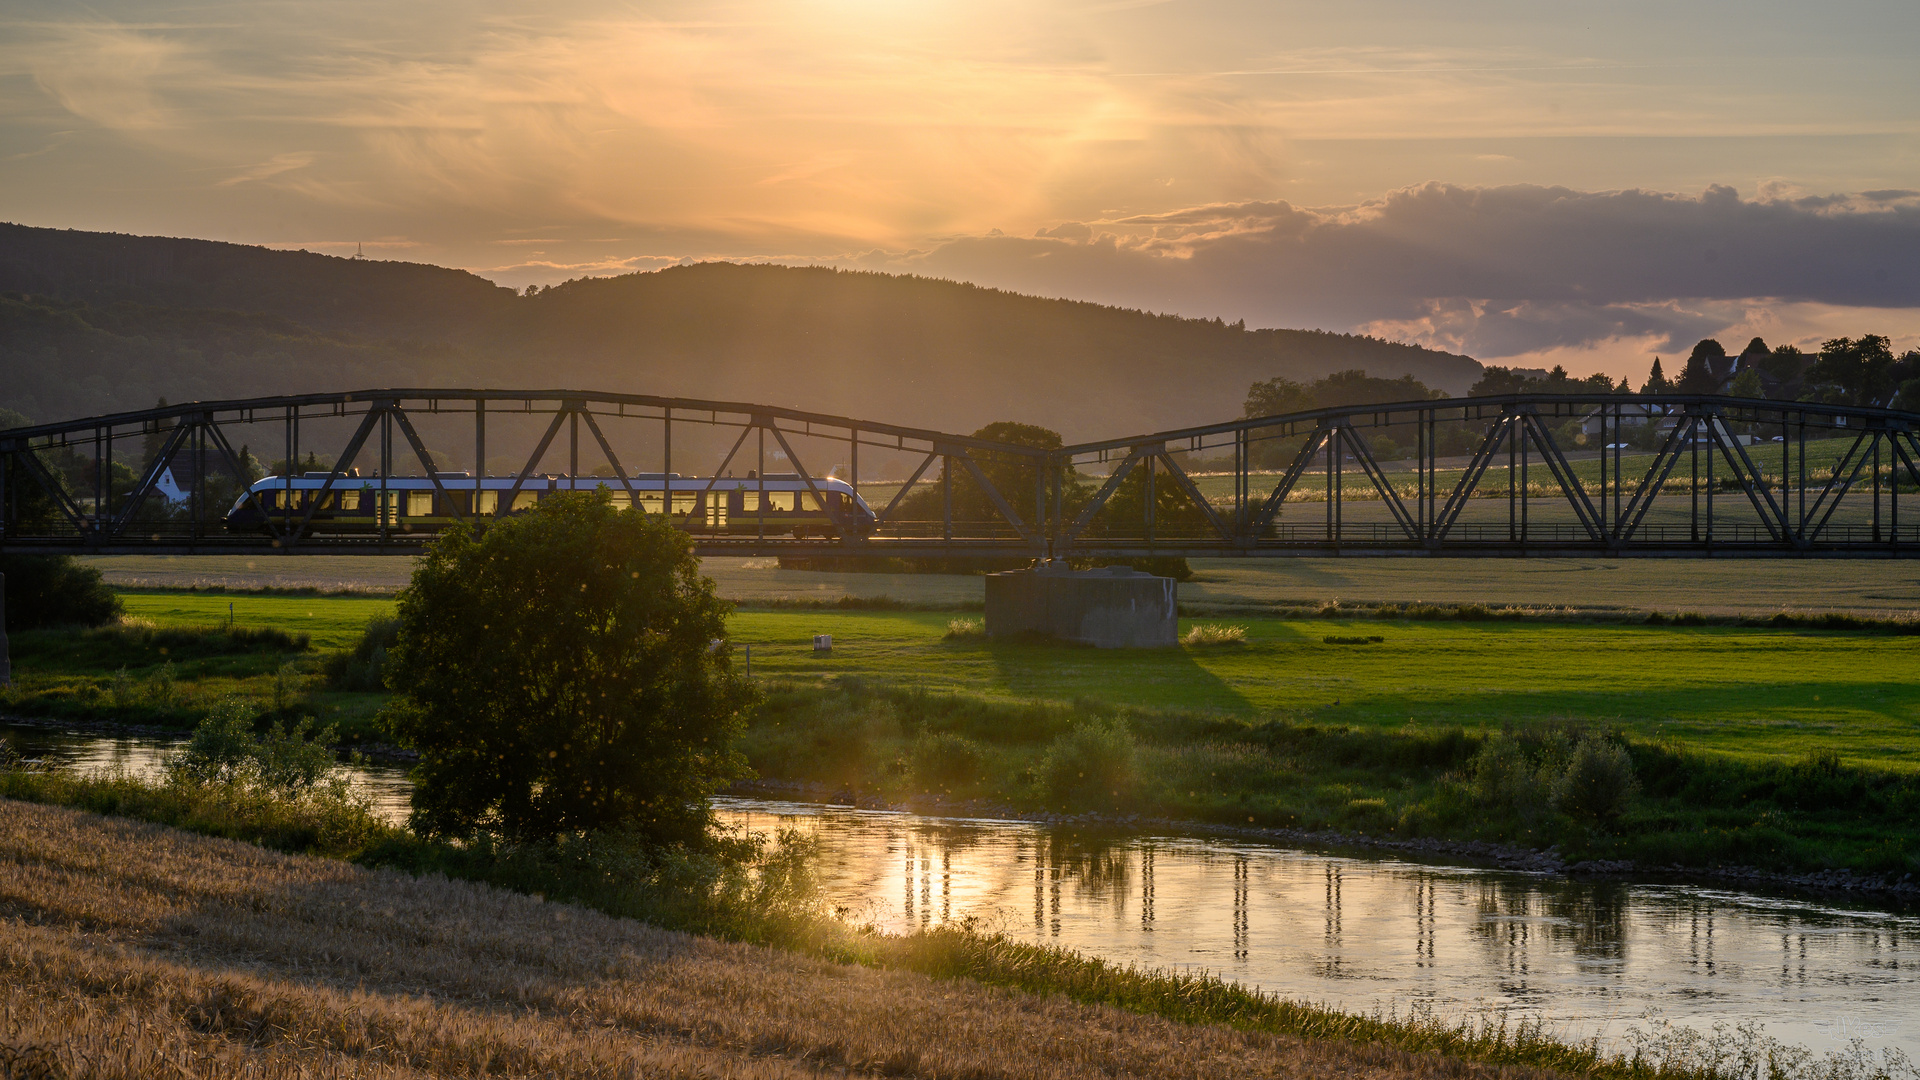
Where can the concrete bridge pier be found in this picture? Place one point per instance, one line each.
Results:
(1113, 607)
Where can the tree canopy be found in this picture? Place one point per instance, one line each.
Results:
(1498, 380)
(566, 671)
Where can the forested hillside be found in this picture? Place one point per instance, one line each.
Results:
(94, 322)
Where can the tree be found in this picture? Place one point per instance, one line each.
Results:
(1657, 380)
(1862, 368)
(1015, 478)
(1495, 381)
(53, 590)
(1701, 376)
(1278, 397)
(566, 671)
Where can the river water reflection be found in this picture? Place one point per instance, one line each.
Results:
(1591, 958)
(1362, 933)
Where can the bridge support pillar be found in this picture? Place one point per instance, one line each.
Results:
(1114, 607)
(6, 662)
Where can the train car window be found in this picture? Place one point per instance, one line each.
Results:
(778, 500)
(652, 501)
(419, 504)
(328, 501)
(684, 502)
(808, 502)
(489, 502)
(526, 500)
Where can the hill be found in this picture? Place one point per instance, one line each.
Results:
(96, 322)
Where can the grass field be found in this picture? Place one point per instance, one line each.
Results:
(1738, 690)
(1742, 587)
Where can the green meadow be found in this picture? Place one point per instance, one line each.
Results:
(1744, 691)
(1780, 746)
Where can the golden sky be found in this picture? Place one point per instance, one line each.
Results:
(1159, 145)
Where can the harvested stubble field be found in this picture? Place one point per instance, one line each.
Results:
(133, 950)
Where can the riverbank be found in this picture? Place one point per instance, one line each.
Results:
(1827, 884)
(218, 957)
(228, 956)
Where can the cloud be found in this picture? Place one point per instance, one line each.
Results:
(1497, 271)
(274, 166)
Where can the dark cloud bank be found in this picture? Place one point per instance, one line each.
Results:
(1489, 271)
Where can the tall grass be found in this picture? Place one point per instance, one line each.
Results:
(1596, 793)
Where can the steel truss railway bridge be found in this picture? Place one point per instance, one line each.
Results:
(1663, 476)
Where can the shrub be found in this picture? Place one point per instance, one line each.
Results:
(224, 750)
(961, 629)
(53, 590)
(1091, 767)
(1201, 634)
(364, 667)
(1598, 784)
(947, 761)
(1504, 778)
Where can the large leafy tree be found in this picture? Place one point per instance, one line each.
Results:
(566, 671)
(1863, 368)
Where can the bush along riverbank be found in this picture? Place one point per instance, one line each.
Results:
(1551, 797)
(229, 784)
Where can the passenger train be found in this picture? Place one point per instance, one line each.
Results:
(776, 504)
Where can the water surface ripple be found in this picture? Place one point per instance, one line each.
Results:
(1591, 958)
(1363, 933)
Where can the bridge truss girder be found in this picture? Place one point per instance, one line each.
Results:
(1440, 498)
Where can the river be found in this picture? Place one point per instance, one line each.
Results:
(1360, 932)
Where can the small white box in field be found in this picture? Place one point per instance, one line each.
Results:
(823, 643)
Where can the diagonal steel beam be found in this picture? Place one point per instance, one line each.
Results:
(340, 468)
(1106, 491)
(426, 462)
(1192, 491)
(141, 490)
(1657, 472)
(505, 506)
(666, 486)
(619, 470)
(62, 501)
(999, 502)
(819, 499)
(1833, 479)
(886, 516)
(1563, 475)
(1742, 466)
(1470, 479)
(1270, 506)
(239, 473)
(1909, 453)
(1870, 438)
(1379, 478)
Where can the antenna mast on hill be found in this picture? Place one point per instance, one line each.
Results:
(358, 252)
